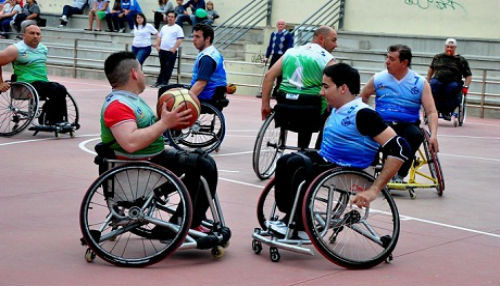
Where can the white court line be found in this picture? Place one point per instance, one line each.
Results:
(468, 157)
(44, 139)
(470, 137)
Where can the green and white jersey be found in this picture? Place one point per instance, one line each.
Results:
(302, 70)
(30, 64)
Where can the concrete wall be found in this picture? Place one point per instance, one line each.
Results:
(453, 18)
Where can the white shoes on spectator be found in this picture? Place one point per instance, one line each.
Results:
(64, 18)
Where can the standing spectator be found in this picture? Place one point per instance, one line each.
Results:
(29, 16)
(112, 19)
(98, 11)
(211, 13)
(167, 42)
(280, 41)
(130, 8)
(76, 7)
(185, 17)
(445, 76)
(164, 6)
(7, 13)
(141, 45)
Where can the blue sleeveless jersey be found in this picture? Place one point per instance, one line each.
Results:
(342, 143)
(398, 100)
(218, 78)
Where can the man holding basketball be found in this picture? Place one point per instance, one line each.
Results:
(129, 126)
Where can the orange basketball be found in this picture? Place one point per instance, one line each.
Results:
(231, 88)
(176, 97)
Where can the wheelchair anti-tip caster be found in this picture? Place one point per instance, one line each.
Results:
(412, 193)
(89, 255)
(217, 252)
(256, 246)
(274, 254)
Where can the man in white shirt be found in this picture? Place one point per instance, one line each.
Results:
(168, 41)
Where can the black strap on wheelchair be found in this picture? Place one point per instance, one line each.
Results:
(104, 151)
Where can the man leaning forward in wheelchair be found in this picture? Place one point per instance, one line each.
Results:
(130, 128)
(29, 58)
(352, 135)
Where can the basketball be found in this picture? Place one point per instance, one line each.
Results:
(231, 88)
(179, 97)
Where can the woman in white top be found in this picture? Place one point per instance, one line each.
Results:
(141, 46)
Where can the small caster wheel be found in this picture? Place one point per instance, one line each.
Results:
(217, 252)
(256, 246)
(274, 254)
(72, 134)
(412, 194)
(389, 258)
(89, 255)
(57, 134)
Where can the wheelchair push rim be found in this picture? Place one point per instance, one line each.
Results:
(267, 148)
(18, 108)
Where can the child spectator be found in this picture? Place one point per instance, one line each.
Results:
(76, 7)
(130, 8)
(193, 5)
(141, 45)
(98, 11)
(211, 13)
(112, 19)
(161, 12)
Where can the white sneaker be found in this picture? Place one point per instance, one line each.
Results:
(397, 179)
(61, 26)
(302, 235)
(122, 30)
(277, 226)
(64, 18)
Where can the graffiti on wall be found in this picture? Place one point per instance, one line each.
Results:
(437, 4)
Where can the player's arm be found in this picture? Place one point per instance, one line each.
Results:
(267, 87)
(206, 67)
(432, 115)
(7, 56)
(430, 72)
(394, 147)
(367, 90)
(130, 137)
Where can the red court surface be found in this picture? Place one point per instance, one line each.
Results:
(449, 240)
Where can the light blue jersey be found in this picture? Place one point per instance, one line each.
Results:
(398, 101)
(218, 78)
(342, 143)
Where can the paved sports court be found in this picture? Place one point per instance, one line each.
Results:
(449, 240)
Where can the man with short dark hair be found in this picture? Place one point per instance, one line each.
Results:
(445, 77)
(400, 92)
(28, 58)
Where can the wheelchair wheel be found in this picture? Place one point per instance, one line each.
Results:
(18, 107)
(462, 110)
(135, 214)
(346, 235)
(266, 206)
(206, 133)
(434, 165)
(267, 148)
(72, 114)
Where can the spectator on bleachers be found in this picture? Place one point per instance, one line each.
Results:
(191, 19)
(30, 15)
(7, 13)
(98, 11)
(179, 10)
(2, 3)
(141, 45)
(130, 8)
(164, 6)
(211, 13)
(112, 19)
(76, 7)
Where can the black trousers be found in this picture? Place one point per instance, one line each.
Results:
(54, 108)
(274, 59)
(167, 62)
(413, 134)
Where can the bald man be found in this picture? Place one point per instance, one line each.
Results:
(281, 40)
(300, 108)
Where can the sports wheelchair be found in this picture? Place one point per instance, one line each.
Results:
(137, 213)
(20, 105)
(270, 143)
(207, 133)
(459, 114)
(417, 177)
(346, 235)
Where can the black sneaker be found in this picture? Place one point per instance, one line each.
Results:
(447, 117)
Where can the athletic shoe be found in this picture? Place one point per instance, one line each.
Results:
(397, 179)
(447, 117)
(302, 235)
(201, 228)
(122, 30)
(64, 18)
(277, 226)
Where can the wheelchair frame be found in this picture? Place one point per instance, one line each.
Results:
(125, 218)
(21, 104)
(344, 234)
(425, 156)
(269, 146)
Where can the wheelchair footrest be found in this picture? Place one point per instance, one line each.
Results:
(207, 242)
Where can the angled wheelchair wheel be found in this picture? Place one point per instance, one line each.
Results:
(206, 133)
(135, 214)
(347, 235)
(434, 165)
(267, 148)
(18, 108)
(266, 206)
(73, 116)
(462, 108)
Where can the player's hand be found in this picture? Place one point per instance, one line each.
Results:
(4, 86)
(265, 60)
(434, 143)
(364, 198)
(175, 119)
(265, 111)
